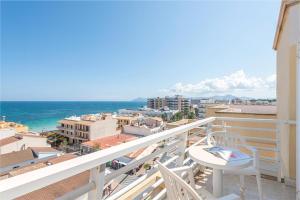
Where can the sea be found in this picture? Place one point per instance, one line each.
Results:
(43, 115)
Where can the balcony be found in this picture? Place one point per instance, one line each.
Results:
(172, 150)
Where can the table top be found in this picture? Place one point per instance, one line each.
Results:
(203, 157)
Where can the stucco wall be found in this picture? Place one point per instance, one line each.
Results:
(27, 141)
(286, 85)
(103, 128)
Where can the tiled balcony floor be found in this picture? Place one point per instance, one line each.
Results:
(272, 190)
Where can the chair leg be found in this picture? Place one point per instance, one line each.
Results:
(258, 180)
(242, 187)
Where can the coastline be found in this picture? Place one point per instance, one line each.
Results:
(43, 115)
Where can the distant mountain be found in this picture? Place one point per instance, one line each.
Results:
(230, 97)
(139, 99)
(225, 97)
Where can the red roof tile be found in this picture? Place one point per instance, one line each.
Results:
(109, 141)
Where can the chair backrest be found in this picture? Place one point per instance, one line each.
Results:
(177, 188)
(225, 139)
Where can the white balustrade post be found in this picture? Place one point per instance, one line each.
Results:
(181, 148)
(97, 176)
(298, 121)
(278, 151)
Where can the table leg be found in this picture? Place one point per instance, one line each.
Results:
(217, 182)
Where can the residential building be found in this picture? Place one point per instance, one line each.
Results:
(12, 141)
(148, 112)
(156, 103)
(144, 126)
(177, 102)
(87, 127)
(123, 120)
(287, 47)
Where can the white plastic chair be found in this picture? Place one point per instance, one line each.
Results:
(179, 189)
(233, 140)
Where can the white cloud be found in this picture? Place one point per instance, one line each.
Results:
(236, 83)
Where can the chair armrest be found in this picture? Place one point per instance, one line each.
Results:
(189, 171)
(255, 154)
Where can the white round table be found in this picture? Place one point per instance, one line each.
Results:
(203, 157)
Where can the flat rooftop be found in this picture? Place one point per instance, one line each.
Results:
(248, 109)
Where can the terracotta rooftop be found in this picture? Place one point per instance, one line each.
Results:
(25, 169)
(58, 189)
(35, 166)
(109, 141)
(136, 153)
(61, 158)
(16, 157)
(8, 140)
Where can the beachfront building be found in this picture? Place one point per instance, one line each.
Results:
(11, 141)
(87, 127)
(12, 125)
(178, 102)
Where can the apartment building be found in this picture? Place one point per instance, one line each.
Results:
(124, 120)
(87, 127)
(156, 103)
(177, 102)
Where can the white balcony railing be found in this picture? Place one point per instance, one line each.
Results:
(174, 148)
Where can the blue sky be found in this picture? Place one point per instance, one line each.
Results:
(122, 50)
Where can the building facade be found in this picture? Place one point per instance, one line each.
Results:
(287, 47)
(177, 102)
(87, 127)
(156, 103)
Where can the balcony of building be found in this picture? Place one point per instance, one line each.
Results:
(172, 150)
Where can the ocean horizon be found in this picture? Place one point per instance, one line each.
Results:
(43, 115)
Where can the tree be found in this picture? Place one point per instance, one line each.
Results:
(177, 116)
(64, 143)
(197, 112)
(185, 112)
(191, 115)
(164, 117)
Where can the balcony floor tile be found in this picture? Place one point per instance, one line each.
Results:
(272, 190)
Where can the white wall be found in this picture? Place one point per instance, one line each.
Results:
(27, 141)
(286, 101)
(4, 133)
(103, 128)
(142, 131)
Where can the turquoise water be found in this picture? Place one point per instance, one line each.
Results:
(43, 115)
